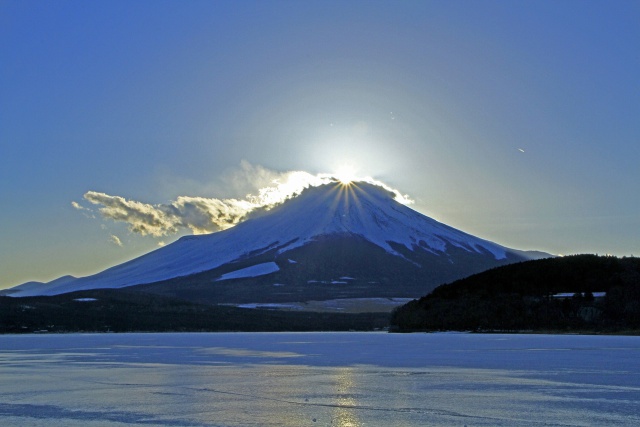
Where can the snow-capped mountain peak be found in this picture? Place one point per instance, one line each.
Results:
(363, 210)
(366, 210)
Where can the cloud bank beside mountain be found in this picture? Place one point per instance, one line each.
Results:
(201, 215)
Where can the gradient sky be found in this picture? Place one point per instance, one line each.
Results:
(516, 121)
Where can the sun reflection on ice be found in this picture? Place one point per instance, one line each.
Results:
(344, 413)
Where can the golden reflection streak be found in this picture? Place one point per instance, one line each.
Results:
(344, 413)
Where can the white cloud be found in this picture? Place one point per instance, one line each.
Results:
(115, 240)
(206, 215)
(399, 197)
(85, 211)
(142, 218)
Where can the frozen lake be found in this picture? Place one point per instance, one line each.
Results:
(319, 379)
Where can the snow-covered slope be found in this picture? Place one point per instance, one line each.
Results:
(360, 209)
(37, 287)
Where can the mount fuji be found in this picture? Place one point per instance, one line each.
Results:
(331, 241)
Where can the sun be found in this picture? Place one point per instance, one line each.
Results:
(345, 174)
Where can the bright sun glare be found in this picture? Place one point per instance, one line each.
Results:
(346, 175)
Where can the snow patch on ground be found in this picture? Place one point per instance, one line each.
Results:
(85, 299)
(342, 281)
(253, 271)
(271, 306)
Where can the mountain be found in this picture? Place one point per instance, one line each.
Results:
(331, 241)
(36, 287)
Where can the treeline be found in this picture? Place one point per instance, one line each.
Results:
(119, 310)
(524, 296)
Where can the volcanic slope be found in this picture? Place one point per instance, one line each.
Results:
(331, 241)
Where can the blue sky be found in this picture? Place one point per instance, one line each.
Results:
(514, 121)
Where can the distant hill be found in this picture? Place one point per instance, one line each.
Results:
(573, 293)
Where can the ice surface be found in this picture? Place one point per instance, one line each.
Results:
(340, 379)
(253, 271)
(363, 210)
(350, 305)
